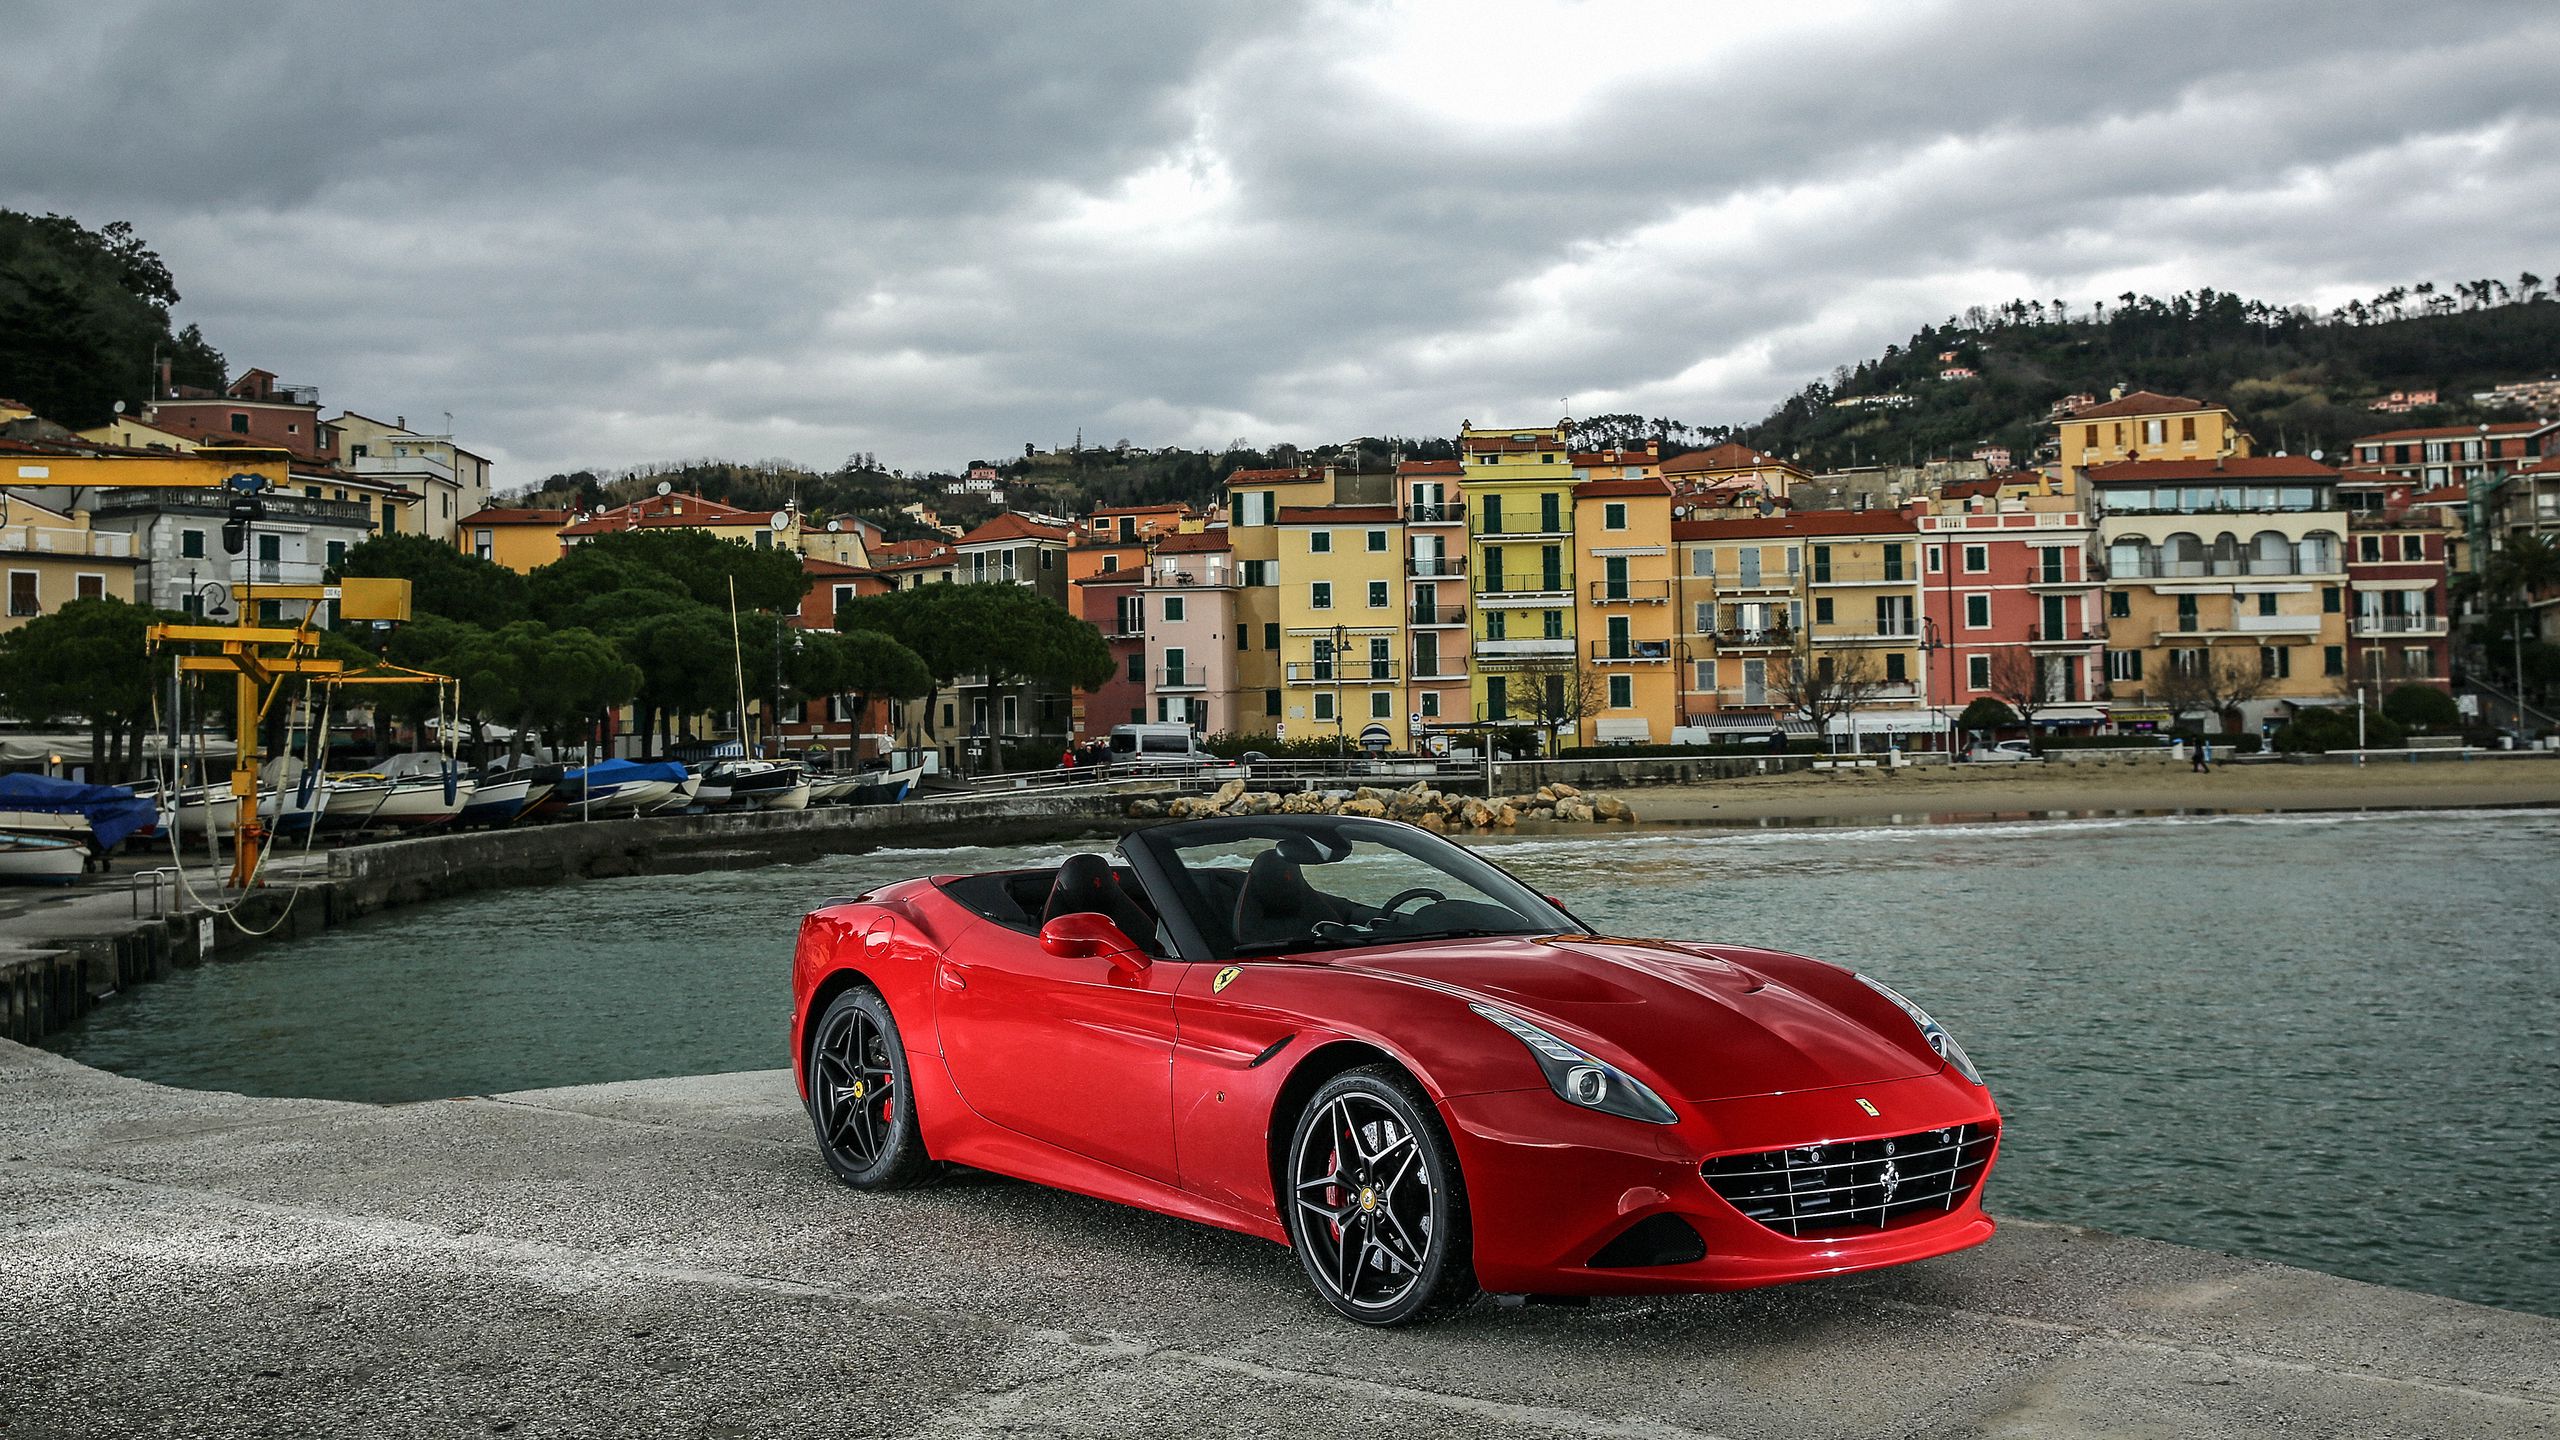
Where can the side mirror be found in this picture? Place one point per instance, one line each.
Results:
(1081, 937)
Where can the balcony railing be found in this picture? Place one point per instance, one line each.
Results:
(1771, 638)
(1340, 672)
(1881, 632)
(1447, 512)
(1548, 583)
(1630, 652)
(1437, 615)
(2152, 569)
(1861, 575)
(1630, 592)
(1537, 649)
(61, 540)
(1440, 668)
(2066, 635)
(1511, 534)
(2370, 625)
(1435, 567)
(1764, 580)
(1181, 677)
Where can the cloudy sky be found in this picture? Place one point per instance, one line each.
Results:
(600, 235)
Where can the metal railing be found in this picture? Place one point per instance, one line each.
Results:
(1447, 512)
(1341, 672)
(1862, 575)
(2153, 569)
(2366, 625)
(2065, 635)
(1544, 583)
(32, 539)
(1631, 651)
(1437, 615)
(1180, 677)
(1630, 592)
(1435, 567)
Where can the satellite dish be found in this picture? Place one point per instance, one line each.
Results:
(2319, 454)
(780, 522)
(1765, 506)
(834, 525)
(119, 407)
(665, 485)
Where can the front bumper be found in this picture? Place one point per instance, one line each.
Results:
(1551, 1185)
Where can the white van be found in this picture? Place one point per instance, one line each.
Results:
(1170, 744)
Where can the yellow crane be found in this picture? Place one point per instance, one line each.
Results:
(260, 657)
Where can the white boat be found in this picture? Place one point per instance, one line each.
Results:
(352, 800)
(501, 798)
(198, 808)
(795, 798)
(424, 800)
(753, 784)
(888, 787)
(40, 859)
(681, 796)
(630, 797)
(833, 789)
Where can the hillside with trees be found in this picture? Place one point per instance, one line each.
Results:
(84, 316)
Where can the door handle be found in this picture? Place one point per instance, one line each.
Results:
(953, 979)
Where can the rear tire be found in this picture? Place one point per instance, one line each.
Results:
(860, 1102)
(1374, 1203)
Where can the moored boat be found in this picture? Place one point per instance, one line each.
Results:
(754, 784)
(100, 817)
(888, 787)
(617, 787)
(498, 798)
(40, 859)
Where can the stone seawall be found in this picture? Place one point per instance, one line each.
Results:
(58, 960)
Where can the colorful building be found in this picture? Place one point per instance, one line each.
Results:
(2216, 565)
(1630, 632)
(452, 482)
(1519, 494)
(2399, 623)
(1431, 493)
(763, 529)
(1189, 620)
(2011, 607)
(1342, 585)
(50, 557)
(522, 540)
(2146, 425)
(1254, 502)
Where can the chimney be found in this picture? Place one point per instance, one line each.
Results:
(166, 389)
(2115, 392)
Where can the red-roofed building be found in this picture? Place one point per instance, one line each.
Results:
(2146, 425)
(2011, 607)
(522, 540)
(763, 529)
(1721, 474)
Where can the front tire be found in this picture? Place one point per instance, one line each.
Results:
(1376, 1208)
(860, 1102)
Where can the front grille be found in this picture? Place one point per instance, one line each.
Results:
(1850, 1184)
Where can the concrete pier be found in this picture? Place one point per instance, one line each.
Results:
(669, 1257)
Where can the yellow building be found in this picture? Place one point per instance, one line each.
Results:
(2226, 583)
(1254, 501)
(520, 540)
(1435, 565)
(50, 558)
(1731, 473)
(1760, 595)
(2145, 425)
(1342, 630)
(1519, 492)
(135, 434)
(1624, 552)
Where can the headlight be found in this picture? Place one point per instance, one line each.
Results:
(1584, 1080)
(1930, 1030)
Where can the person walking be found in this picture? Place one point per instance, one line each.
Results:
(2204, 756)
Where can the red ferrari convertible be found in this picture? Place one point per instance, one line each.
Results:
(1358, 1039)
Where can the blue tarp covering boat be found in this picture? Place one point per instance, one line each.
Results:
(113, 811)
(606, 773)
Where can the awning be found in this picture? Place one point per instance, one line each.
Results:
(2420, 583)
(1749, 725)
(1887, 722)
(2071, 715)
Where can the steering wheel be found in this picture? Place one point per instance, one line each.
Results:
(1418, 892)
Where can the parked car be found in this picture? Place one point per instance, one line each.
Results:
(2005, 753)
(1158, 744)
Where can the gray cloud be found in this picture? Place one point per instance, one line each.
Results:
(601, 235)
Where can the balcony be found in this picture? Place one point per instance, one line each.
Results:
(65, 541)
(2067, 636)
(2146, 568)
(1888, 632)
(2241, 625)
(2040, 578)
(1555, 587)
(2384, 626)
(1778, 638)
(1435, 567)
(433, 466)
(1441, 667)
(1180, 677)
(1513, 537)
(1448, 512)
(1630, 592)
(1340, 672)
(1436, 615)
(1541, 649)
(1630, 652)
(1753, 584)
(1862, 575)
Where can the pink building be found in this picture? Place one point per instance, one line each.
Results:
(2008, 596)
(1189, 616)
(1435, 518)
(1112, 602)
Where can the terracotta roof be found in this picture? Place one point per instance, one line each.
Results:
(2455, 432)
(670, 512)
(1010, 526)
(911, 549)
(920, 562)
(1970, 489)
(812, 565)
(1731, 455)
(1813, 523)
(1203, 543)
(2232, 467)
(1166, 509)
(1429, 467)
(499, 516)
(1611, 488)
(1503, 444)
(1338, 514)
(2445, 495)
(2140, 402)
(1274, 477)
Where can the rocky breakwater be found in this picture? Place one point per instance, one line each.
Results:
(1416, 804)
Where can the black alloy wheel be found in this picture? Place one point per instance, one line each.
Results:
(859, 1096)
(1376, 1208)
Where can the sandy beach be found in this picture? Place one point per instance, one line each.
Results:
(2041, 789)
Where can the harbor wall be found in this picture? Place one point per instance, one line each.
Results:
(99, 943)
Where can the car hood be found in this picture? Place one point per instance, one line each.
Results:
(1706, 1023)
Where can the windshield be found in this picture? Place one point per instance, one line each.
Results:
(1281, 885)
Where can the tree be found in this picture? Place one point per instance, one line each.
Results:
(2217, 685)
(1986, 713)
(687, 663)
(2023, 679)
(81, 314)
(702, 565)
(1556, 693)
(2422, 708)
(442, 580)
(2334, 728)
(1823, 684)
(1003, 634)
(87, 659)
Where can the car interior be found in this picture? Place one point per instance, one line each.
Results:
(1025, 900)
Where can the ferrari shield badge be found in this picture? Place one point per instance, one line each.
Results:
(1868, 1106)
(1225, 978)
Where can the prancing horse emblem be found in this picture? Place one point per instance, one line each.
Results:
(1869, 1106)
(1889, 1180)
(1225, 978)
